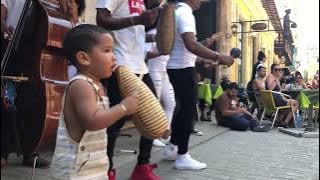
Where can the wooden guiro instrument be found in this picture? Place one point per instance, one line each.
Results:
(150, 120)
(166, 29)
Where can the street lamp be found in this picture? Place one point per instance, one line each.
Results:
(234, 29)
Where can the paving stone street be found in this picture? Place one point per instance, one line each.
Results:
(249, 155)
(230, 155)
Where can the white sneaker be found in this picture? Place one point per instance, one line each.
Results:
(158, 143)
(187, 163)
(166, 141)
(197, 133)
(170, 152)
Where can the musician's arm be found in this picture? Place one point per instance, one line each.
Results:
(207, 42)
(3, 18)
(151, 55)
(197, 48)
(150, 38)
(107, 21)
(200, 50)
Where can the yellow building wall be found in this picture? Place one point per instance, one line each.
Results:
(230, 11)
(245, 10)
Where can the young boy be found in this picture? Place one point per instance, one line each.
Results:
(81, 139)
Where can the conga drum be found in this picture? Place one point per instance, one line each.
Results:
(150, 120)
(166, 29)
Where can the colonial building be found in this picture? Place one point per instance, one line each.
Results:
(222, 16)
(218, 16)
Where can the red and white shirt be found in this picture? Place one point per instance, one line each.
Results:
(128, 42)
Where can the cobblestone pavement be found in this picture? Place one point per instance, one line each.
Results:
(229, 155)
(249, 155)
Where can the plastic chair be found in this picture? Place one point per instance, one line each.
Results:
(260, 104)
(269, 105)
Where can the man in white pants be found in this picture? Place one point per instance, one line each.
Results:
(157, 65)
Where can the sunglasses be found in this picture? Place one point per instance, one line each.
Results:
(278, 69)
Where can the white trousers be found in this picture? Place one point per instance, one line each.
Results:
(165, 92)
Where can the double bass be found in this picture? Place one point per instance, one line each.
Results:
(37, 55)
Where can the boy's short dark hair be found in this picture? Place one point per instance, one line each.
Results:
(232, 85)
(81, 38)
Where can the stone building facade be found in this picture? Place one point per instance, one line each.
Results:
(225, 13)
(229, 11)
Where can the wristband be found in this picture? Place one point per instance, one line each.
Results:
(124, 108)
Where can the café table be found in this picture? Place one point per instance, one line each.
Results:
(308, 100)
(302, 96)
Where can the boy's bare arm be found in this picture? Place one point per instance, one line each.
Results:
(90, 116)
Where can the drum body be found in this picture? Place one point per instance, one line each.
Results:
(150, 120)
(166, 29)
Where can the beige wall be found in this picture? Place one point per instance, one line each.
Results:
(243, 10)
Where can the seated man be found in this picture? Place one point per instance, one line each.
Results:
(229, 114)
(258, 84)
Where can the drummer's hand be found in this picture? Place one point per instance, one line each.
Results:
(131, 104)
(208, 42)
(225, 59)
(216, 36)
(8, 31)
(209, 63)
(149, 17)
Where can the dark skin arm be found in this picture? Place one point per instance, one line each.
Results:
(151, 55)
(4, 26)
(107, 21)
(150, 38)
(3, 18)
(200, 50)
(209, 41)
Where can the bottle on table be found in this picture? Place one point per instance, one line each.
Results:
(298, 120)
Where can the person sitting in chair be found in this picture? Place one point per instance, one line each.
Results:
(258, 84)
(273, 83)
